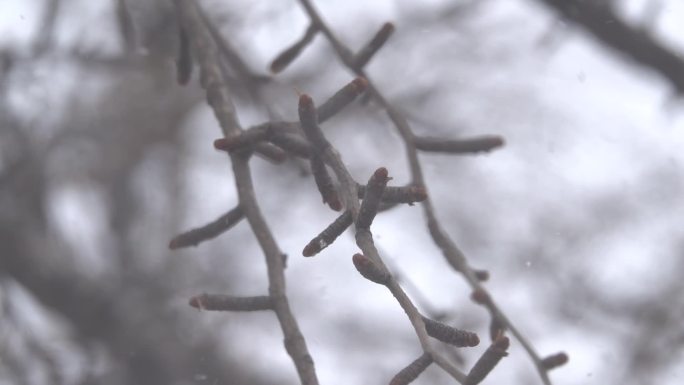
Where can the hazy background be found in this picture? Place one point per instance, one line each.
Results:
(104, 158)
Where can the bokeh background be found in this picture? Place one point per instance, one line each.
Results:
(104, 158)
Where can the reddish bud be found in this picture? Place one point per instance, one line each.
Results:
(370, 270)
(197, 301)
(488, 360)
(480, 296)
(222, 144)
(412, 371)
(360, 84)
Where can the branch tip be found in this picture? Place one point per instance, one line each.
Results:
(418, 193)
(371, 198)
(412, 371)
(211, 230)
(489, 359)
(370, 270)
(196, 302)
(342, 98)
(372, 47)
(222, 144)
(554, 360)
(305, 102)
(290, 54)
(230, 303)
(381, 174)
(480, 296)
(502, 343)
(329, 235)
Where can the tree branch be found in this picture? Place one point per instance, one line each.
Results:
(598, 18)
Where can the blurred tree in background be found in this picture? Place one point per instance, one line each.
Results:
(104, 158)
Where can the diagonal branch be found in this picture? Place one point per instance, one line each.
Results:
(599, 19)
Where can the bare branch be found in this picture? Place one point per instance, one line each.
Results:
(494, 353)
(221, 302)
(369, 50)
(456, 146)
(211, 230)
(599, 19)
(290, 54)
(341, 99)
(329, 235)
(370, 270)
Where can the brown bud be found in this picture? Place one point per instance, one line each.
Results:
(370, 270)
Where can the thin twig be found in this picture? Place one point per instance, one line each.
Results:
(209, 231)
(221, 302)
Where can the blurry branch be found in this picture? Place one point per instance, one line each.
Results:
(599, 19)
(366, 53)
(184, 58)
(555, 360)
(287, 56)
(464, 146)
(126, 27)
(44, 37)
